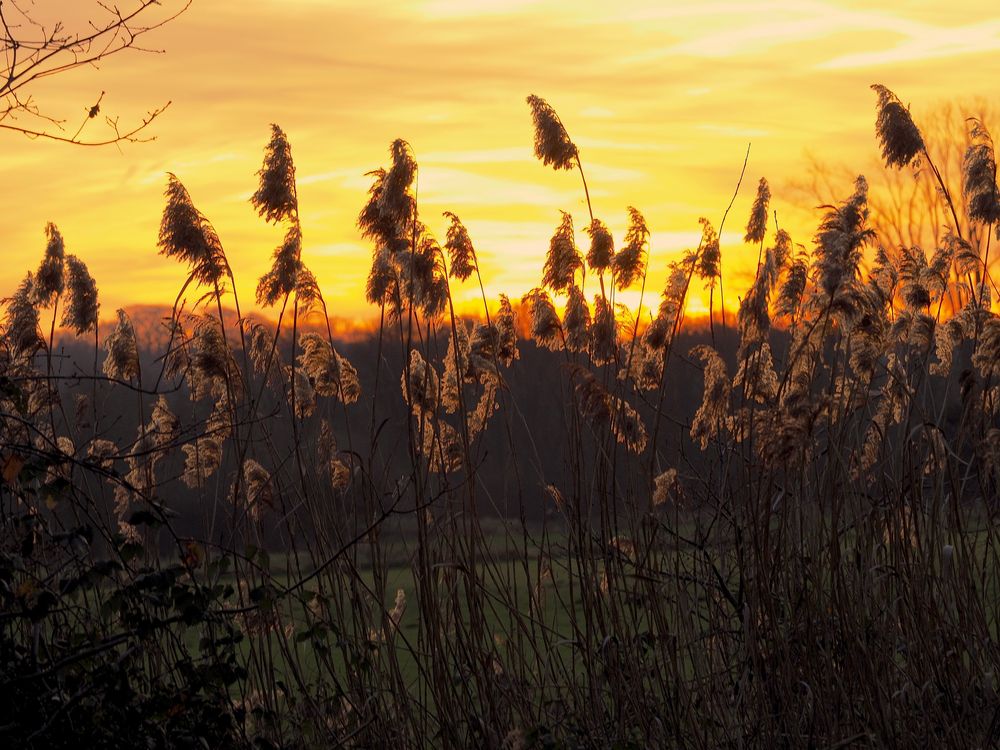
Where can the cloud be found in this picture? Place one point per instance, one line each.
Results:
(930, 44)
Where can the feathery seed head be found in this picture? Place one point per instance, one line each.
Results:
(329, 373)
(211, 360)
(307, 291)
(546, 329)
(50, 279)
(710, 256)
(187, 235)
(627, 426)
(21, 319)
(629, 262)
(395, 202)
(757, 226)
(302, 393)
(552, 143)
(275, 197)
(979, 177)
(460, 249)
(102, 452)
(603, 332)
(381, 285)
(260, 345)
(840, 239)
(282, 278)
(122, 361)
(666, 487)
(593, 398)
(947, 336)
(506, 325)
(422, 277)
(456, 367)
(715, 403)
(563, 259)
(258, 488)
(340, 475)
(576, 320)
(897, 133)
(422, 390)
(602, 246)
(81, 310)
(793, 288)
(202, 459)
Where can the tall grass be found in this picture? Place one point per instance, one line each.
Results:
(240, 540)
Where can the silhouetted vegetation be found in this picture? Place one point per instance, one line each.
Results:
(619, 531)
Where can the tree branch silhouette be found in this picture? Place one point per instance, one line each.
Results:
(31, 51)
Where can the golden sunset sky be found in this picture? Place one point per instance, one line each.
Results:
(661, 97)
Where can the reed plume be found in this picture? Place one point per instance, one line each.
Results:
(102, 453)
(592, 397)
(307, 292)
(576, 320)
(979, 176)
(757, 225)
(395, 201)
(460, 249)
(82, 308)
(122, 360)
(259, 488)
(897, 133)
(388, 215)
(479, 417)
(421, 389)
(49, 280)
(422, 276)
(281, 279)
(203, 456)
(964, 256)
(456, 367)
(710, 256)
(329, 372)
(382, 286)
(603, 332)
(546, 329)
(756, 376)
(552, 142)
(627, 426)
(301, 392)
(563, 259)
(840, 239)
(715, 403)
(665, 487)
(483, 353)
(275, 198)
(602, 246)
(210, 364)
(259, 344)
(185, 234)
(629, 261)
(506, 324)
(442, 445)
(793, 288)
(21, 319)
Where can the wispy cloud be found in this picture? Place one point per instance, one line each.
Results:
(930, 44)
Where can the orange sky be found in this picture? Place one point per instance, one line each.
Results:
(661, 97)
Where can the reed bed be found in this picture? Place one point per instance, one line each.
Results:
(246, 539)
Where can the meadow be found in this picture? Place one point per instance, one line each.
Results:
(558, 523)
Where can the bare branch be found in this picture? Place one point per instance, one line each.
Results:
(32, 51)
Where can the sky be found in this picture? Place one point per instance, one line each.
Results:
(662, 99)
